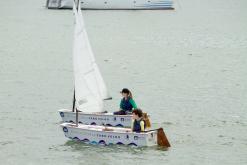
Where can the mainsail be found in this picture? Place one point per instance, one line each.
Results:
(101, 84)
(90, 89)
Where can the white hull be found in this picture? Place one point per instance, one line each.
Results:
(96, 135)
(112, 4)
(107, 119)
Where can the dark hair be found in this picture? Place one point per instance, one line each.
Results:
(138, 112)
(127, 91)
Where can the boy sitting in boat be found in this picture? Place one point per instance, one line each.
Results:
(138, 124)
(127, 103)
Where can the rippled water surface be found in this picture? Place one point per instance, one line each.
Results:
(186, 68)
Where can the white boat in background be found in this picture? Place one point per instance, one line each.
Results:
(112, 4)
(113, 135)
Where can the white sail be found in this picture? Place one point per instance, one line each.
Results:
(101, 84)
(87, 92)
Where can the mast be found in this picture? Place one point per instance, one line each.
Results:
(78, 1)
(73, 109)
(77, 115)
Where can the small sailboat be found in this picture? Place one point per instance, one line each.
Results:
(113, 135)
(87, 122)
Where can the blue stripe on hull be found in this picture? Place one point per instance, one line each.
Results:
(101, 142)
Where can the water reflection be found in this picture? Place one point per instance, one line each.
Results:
(80, 146)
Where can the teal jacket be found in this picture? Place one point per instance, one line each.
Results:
(127, 104)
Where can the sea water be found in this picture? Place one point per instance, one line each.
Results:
(187, 68)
